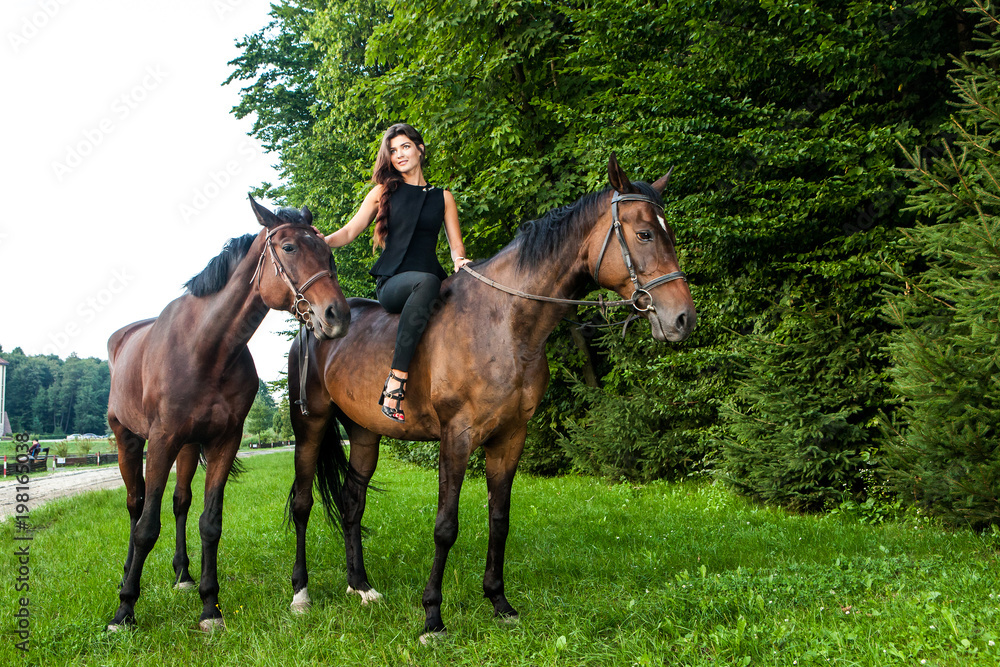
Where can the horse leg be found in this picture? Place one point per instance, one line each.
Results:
(187, 465)
(502, 454)
(159, 459)
(220, 456)
(309, 436)
(130, 448)
(452, 464)
(363, 460)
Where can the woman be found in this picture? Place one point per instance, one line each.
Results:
(408, 214)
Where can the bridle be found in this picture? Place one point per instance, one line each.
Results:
(616, 228)
(302, 313)
(304, 316)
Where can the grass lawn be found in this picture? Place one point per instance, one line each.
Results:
(603, 574)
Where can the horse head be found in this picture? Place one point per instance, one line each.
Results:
(304, 276)
(646, 268)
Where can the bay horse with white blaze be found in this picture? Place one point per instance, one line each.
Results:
(185, 382)
(479, 372)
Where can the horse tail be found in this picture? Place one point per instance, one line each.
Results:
(235, 470)
(332, 470)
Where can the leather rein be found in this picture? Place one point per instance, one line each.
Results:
(616, 229)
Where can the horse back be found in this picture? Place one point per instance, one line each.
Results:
(120, 337)
(463, 365)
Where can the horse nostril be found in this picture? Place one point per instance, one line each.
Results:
(682, 321)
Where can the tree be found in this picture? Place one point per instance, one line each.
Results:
(945, 453)
(281, 423)
(262, 412)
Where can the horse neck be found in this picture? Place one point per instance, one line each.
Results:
(231, 316)
(564, 275)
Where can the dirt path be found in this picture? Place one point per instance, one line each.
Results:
(69, 482)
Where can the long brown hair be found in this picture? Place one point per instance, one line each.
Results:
(386, 175)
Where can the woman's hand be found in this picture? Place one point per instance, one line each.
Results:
(460, 262)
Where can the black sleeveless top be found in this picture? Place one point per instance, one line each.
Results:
(416, 214)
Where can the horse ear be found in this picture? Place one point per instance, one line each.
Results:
(307, 215)
(617, 177)
(661, 183)
(264, 216)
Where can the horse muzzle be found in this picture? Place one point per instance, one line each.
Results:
(672, 324)
(331, 322)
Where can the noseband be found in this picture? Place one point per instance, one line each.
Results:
(303, 313)
(616, 228)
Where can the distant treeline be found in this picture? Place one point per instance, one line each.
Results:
(52, 396)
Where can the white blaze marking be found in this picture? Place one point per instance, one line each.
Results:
(663, 223)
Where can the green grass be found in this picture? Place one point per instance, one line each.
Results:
(674, 574)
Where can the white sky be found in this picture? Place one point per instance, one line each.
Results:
(123, 171)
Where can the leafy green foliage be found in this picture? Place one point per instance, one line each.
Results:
(946, 453)
(783, 120)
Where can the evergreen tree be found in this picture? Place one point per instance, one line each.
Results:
(946, 451)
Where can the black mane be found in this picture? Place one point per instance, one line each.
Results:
(215, 276)
(537, 240)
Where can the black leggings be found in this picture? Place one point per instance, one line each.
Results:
(411, 294)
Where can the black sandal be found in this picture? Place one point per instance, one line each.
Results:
(397, 394)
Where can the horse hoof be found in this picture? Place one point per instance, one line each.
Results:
(125, 622)
(433, 638)
(184, 585)
(301, 602)
(367, 597)
(210, 625)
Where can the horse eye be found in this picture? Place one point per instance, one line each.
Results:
(645, 236)
(288, 247)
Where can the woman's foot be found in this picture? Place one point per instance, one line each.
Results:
(392, 397)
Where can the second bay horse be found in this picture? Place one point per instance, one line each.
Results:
(185, 382)
(478, 375)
